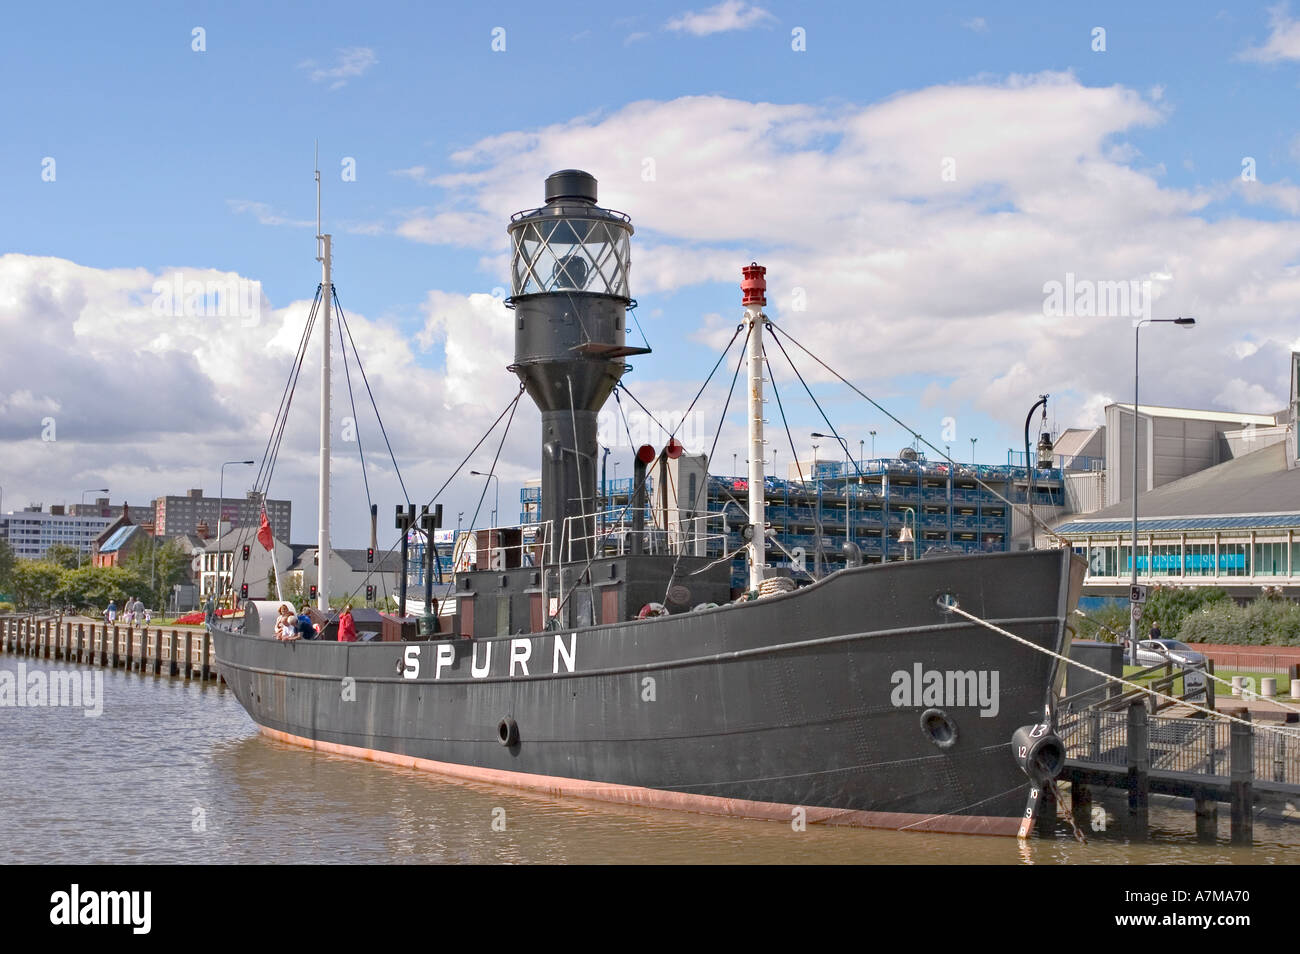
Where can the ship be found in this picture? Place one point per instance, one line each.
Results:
(625, 668)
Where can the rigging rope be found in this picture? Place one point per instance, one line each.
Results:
(378, 417)
(262, 482)
(953, 607)
(636, 490)
(726, 405)
(1034, 518)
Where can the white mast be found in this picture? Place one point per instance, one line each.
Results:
(753, 296)
(323, 518)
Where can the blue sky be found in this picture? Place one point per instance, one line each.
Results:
(1116, 165)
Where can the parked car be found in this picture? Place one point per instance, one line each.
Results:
(1153, 652)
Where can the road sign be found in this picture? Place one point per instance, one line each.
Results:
(1137, 594)
(1137, 612)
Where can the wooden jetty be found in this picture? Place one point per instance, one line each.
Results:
(183, 652)
(1207, 760)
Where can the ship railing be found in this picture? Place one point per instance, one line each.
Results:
(703, 534)
(529, 544)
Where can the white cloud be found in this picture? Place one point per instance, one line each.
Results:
(1283, 195)
(904, 271)
(1283, 41)
(414, 173)
(976, 25)
(726, 16)
(265, 214)
(352, 62)
(144, 401)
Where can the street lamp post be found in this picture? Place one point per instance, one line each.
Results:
(101, 490)
(1137, 327)
(972, 450)
(817, 550)
(221, 505)
(873, 445)
(1031, 465)
(479, 473)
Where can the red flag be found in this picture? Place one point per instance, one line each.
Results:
(264, 532)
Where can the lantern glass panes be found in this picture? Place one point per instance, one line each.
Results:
(570, 253)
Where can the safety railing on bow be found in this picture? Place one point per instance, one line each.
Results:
(703, 534)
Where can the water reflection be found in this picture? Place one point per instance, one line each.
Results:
(176, 772)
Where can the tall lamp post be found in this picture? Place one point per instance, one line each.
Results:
(479, 473)
(873, 445)
(817, 550)
(221, 505)
(1031, 465)
(1137, 327)
(101, 490)
(972, 450)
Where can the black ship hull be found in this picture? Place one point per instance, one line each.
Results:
(811, 700)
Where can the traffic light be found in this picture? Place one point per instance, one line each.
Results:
(313, 591)
(370, 554)
(245, 551)
(370, 592)
(243, 589)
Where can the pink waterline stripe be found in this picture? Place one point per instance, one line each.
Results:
(558, 786)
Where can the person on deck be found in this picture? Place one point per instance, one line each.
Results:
(347, 625)
(111, 612)
(306, 629)
(284, 623)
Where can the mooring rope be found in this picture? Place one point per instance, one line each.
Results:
(954, 608)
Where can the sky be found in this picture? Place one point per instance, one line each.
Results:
(960, 207)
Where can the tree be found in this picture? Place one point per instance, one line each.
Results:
(64, 555)
(92, 587)
(36, 583)
(7, 560)
(165, 562)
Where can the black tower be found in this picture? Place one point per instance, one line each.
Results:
(569, 290)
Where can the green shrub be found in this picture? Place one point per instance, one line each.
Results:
(1171, 605)
(1265, 622)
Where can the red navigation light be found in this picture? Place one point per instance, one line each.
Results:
(645, 454)
(674, 449)
(753, 287)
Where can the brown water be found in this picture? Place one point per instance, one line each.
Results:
(178, 773)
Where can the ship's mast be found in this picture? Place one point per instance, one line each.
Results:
(753, 296)
(323, 519)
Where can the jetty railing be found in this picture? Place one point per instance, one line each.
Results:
(1187, 745)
